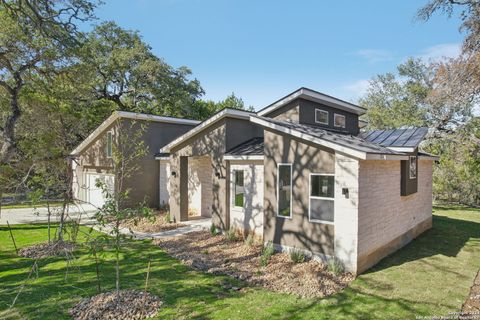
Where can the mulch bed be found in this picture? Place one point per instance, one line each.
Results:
(44, 250)
(152, 224)
(217, 255)
(129, 305)
(472, 304)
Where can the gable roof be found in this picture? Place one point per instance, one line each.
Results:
(128, 115)
(397, 139)
(226, 112)
(345, 143)
(314, 96)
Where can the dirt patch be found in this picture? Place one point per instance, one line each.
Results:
(128, 305)
(472, 304)
(43, 250)
(217, 255)
(156, 223)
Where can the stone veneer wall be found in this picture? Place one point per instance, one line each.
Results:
(386, 220)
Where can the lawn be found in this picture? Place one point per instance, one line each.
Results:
(430, 276)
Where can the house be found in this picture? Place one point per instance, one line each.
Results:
(300, 173)
(93, 157)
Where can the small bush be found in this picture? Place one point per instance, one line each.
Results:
(335, 266)
(249, 240)
(267, 252)
(213, 230)
(232, 235)
(296, 255)
(167, 218)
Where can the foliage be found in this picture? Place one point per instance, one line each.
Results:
(335, 266)
(232, 235)
(167, 218)
(296, 255)
(267, 252)
(213, 230)
(249, 240)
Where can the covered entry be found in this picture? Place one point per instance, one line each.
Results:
(200, 196)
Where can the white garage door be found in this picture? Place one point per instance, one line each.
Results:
(246, 197)
(94, 194)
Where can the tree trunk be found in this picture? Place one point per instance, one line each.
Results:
(8, 134)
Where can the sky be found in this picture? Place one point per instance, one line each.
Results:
(264, 49)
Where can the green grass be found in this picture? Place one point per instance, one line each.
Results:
(430, 276)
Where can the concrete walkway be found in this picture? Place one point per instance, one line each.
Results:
(83, 212)
(191, 226)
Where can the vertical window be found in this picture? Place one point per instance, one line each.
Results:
(109, 144)
(238, 188)
(321, 116)
(339, 120)
(412, 168)
(322, 195)
(284, 190)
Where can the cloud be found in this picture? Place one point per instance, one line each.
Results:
(440, 52)
(358, 88)
(375, 55)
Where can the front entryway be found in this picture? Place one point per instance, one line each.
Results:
(200, 194)
(246, 197)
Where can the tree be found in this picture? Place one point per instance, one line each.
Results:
(206, 108)
(124, 71)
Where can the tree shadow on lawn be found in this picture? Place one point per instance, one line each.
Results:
(446, 237)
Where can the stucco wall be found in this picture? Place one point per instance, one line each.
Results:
(386, 220)
(306, 158)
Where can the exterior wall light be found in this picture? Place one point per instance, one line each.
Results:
(174, 173)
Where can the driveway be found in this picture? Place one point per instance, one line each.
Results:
(40, 214)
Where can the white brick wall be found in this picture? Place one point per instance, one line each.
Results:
(346, 213)
(383, 214)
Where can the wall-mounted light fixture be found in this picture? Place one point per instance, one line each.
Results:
(345, 192)
(217, 174)
(174, 173)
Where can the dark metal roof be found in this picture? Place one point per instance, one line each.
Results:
(396, 137)
(252, 147)
(162, 155)
(345, 140)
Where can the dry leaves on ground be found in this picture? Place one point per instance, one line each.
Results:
(217, 255)
(43, 250)
(156, 223)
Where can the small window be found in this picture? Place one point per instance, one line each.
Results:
(339, 120)
(284, 190)
(238, 188)
(109, 144)
(412, 168)
(321, 116)
(322, 195)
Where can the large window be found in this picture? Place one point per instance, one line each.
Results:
(321, 116)
(412, 168)
(322, 195)
(339, 120)
(109, 144)
(238, 188)
(284, 190)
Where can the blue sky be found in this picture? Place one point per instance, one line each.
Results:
(264, 49)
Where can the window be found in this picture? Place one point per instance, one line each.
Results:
(284, 190)
(321, 116)
(238, 188)
(109, 144)
(339, 120)
(412, 168)
(322, 195)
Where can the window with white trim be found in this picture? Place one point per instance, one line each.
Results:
(321, 116)
(321, 202)
(109, 144)
(339, 120)
(238, 188)
(284, 190)
(412, 167)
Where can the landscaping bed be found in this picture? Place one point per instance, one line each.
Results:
(44, 250)
(155, 223)
(218, 255)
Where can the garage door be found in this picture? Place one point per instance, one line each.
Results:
(94, 194)
(246, 197)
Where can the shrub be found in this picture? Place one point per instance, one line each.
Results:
(167, 218)
(267, 252)
(249, 240)
(296, 255)
(213, 230)
(335, 266)
(232, 235)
